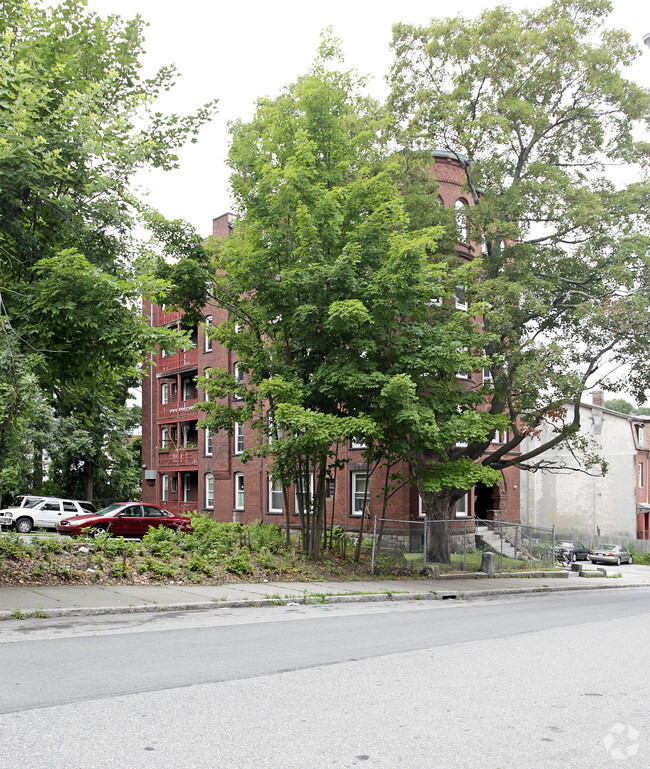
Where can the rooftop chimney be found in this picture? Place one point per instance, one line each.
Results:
(598, 397)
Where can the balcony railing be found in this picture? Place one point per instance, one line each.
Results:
(178, 457)
(178, 409)
(180, 508)
(182, 359)
(161, 317)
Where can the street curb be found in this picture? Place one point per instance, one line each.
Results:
(310, 600)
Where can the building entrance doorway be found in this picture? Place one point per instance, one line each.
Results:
(486, 501)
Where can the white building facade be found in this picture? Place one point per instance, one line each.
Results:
(587, 505)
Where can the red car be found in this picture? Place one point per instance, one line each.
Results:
(124, 519)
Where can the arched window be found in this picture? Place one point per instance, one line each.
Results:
(239, 491)
(207, 341)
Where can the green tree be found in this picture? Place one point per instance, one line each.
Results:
(620, 404)
(328, 280)
(78, 121)
(535, 108)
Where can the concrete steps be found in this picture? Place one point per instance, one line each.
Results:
(494, 540)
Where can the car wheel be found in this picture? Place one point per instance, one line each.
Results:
(618, 562)
(574, 558)
(97, 531)
(24, 525)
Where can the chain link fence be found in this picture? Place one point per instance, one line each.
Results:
(413, 545)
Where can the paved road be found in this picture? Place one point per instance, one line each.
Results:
(497, 683)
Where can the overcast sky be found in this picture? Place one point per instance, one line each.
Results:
(237, 52)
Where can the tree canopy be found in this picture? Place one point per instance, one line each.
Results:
(535, 108)
(78, 121)
(337, 294)
(338, 274)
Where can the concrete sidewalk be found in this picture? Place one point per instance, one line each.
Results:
(28, 602)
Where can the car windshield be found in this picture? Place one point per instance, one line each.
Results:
(108, 510)
(565, 544)
(33, 502)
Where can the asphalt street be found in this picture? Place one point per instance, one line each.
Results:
(524, 681)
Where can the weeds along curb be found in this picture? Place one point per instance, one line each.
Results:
(309, 600)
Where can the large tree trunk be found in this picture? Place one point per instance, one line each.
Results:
(439, 507)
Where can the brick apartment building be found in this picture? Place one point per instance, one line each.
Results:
(186, 468)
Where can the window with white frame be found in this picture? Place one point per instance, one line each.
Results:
(275, 496)
(330, 488)
(359, 492)
(461, 299)
(461, 507)
(239, 491)
(164, 438)
(208, 442)
(187, 389)
(239, 438)
(640, 475)
(461, 218)
(358, 443)
(209, 490)
(207, 346)
(187, 486)
(206, 374)
(421, 507)
(239, 378)
(164, 393)
(174, 484)
(487, 376)
(499, 437)
(164, 494)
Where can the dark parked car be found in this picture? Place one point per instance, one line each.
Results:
(125, 519)
(577, 551)
(610, 554)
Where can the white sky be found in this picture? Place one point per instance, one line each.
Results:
(237, 52)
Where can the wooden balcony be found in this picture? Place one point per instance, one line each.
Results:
(178, 410)
(162, 318)
(183, 359)
(178, 458)
(180, 508)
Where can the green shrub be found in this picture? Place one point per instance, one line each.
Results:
(13, 547)
(120, 570)
(266, 536)
(199, 563)
(49, 547)
(163, 541)
(157, 567)
(239, 562)
(270, 562)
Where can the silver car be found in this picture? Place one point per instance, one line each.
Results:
(610, 554)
